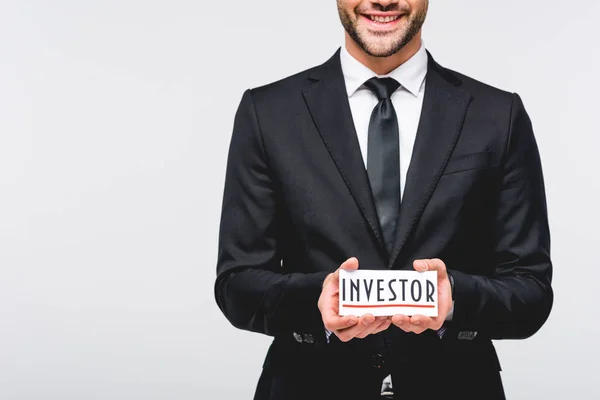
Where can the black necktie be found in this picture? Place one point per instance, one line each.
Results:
(383, 157)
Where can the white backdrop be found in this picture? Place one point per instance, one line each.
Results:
(115, 118)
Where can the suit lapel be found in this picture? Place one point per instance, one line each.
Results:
(328, 104)
(443, 112)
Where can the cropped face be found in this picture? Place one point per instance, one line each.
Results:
(382, 27)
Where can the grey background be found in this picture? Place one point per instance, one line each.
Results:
(115, 118)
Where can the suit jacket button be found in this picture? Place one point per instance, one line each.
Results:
(378, 361)
(298, 337)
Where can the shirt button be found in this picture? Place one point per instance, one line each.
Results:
(378, 361)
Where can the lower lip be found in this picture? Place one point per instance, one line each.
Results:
(382, 25)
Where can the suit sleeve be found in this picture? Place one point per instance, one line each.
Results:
(250, 288)
(517, 299)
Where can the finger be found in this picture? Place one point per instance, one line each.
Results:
(434, 264)
(400, 319)
(417, 330)
(330, 315)
(421, 321)
(402, 322)
(434, 323)
(364, 322)
(334, 322)
(407, 325)
(385, 324)
(372, 328)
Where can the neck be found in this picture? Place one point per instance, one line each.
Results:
(383, 65)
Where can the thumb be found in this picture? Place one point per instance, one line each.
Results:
(430, 265)
(350, 264)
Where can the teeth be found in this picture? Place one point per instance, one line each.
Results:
(384, 19)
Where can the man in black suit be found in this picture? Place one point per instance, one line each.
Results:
(381, 158)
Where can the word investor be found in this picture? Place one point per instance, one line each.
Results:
(409, 292)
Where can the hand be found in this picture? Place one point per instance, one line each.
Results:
(420, 323)
(346, 328)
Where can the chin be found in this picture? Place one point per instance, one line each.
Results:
(378, 49)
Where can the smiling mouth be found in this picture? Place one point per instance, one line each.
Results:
(383, 19)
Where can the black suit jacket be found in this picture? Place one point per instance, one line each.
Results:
(297, 203)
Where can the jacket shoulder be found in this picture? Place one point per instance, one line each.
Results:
(281, 88)
(479, 88)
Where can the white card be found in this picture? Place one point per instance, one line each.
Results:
(388, 292)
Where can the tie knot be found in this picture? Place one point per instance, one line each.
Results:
(382, 87)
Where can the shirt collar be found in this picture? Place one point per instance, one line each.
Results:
(410, 74)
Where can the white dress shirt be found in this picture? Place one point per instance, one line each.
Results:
(407, 101)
